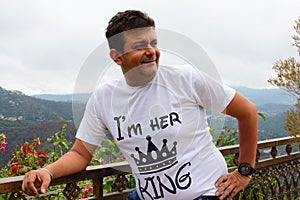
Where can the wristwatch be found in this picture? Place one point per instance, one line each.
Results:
(246, 170)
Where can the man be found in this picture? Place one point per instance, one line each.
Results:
(156, 114)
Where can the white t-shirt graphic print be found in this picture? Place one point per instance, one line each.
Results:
(162, 130)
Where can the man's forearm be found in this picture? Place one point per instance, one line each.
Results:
(69, 163)
(248, 137)
(74, 161)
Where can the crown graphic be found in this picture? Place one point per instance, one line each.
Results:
(155, 160)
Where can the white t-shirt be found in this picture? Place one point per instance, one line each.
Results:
(162, 130)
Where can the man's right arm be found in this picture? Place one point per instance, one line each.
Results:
(72, 162)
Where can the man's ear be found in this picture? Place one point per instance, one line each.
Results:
(115, 56)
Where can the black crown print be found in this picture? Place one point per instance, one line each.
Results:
(155, 160)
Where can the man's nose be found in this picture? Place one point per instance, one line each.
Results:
(150, 50)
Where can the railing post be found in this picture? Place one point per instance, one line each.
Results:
(274, 151)
(288, 149)
(98, 188)
(257, 155)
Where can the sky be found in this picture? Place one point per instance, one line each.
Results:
(44, 43)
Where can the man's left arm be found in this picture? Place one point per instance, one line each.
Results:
(246, 114)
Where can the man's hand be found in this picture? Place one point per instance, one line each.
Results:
(230, 184)
(74, 161)
(34, 179)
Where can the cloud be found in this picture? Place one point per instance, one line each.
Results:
(43, 44)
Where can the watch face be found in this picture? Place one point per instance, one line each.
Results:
(245, 169)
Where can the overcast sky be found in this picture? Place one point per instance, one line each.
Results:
(43, 43)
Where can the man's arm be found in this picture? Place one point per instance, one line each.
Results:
(72, 162)
(246, 114)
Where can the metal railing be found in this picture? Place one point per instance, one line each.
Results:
(277, 176)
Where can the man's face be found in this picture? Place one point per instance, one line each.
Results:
(141, 55)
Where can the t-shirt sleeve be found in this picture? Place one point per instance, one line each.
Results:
(91, 128)
(210, 93)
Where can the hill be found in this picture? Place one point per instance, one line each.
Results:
(23, 118)
(15, 105)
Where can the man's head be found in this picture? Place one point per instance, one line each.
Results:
(133, 46)
(124, 21)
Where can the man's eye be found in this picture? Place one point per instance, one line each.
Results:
(154, 44)
(139, 46)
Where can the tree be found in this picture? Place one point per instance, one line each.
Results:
(288, 79)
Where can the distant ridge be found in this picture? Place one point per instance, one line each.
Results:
(55, 97)
(267, 96)
(63, 97)
(257, 96)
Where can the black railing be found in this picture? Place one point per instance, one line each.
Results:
(277, 176)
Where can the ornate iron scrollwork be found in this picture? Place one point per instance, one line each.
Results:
(16, 196)
(275, 182)
(121, 182)
(71, 191)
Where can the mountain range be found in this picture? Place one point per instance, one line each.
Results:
(23, 117)
(258, 96)
(16, 106)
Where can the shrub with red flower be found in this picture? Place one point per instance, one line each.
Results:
(2, 142)
(42, 155)
(26, 149)
(87, 192)
(27, 158)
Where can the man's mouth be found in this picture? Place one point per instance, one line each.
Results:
(149, 61)
(152, 60)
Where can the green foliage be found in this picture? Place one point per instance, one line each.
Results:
(20, 135)
(60, 144)
(260, 114)
(110, 186)
(109, 152)
(27, 157)
(288, 72)
(292, 124)
(227, 137)
(264, 187)
(4, 172)
(288, 79)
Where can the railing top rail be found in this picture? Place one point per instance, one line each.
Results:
(227, 150)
